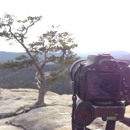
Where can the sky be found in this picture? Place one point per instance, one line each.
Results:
(97, 25)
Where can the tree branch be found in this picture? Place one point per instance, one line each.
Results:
(30, 26)
(27, 50)
(10, 30)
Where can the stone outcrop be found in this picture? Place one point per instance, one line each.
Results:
(55, 116)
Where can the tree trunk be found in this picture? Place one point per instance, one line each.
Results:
(41, 96)
(41, 102)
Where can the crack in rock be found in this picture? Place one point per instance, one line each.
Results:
(10, 123)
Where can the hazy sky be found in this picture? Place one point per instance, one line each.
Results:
(98, 25)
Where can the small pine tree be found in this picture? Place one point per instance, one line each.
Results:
(52, 46)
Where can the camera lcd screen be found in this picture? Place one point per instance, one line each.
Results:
(103, 85)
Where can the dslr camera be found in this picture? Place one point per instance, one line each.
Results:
(102, 84)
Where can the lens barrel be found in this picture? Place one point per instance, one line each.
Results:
(74, 68)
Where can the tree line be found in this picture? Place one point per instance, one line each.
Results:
(8, 79)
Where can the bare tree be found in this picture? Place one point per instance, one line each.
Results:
(52, 46)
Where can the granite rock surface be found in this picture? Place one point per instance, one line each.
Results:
(55, 116)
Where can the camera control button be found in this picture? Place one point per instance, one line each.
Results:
(123, 78)
(124, 82)
(120, 68)
(126, 86)
(94, 69)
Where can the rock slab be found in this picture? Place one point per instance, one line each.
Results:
(56, 116)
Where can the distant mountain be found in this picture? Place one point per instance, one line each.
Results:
(4, 56)
(118, 54)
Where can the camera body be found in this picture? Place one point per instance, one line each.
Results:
(101, 78)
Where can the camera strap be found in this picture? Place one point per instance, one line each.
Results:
(74, 99)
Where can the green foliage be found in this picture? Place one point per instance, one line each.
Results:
(22, 57)
(9, 64)
(16, 65)
(25, 79)
(50, 42)
(55, 42)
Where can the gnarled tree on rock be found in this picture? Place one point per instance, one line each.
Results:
(52, 46)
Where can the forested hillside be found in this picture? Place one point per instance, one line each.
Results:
(25, 78)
